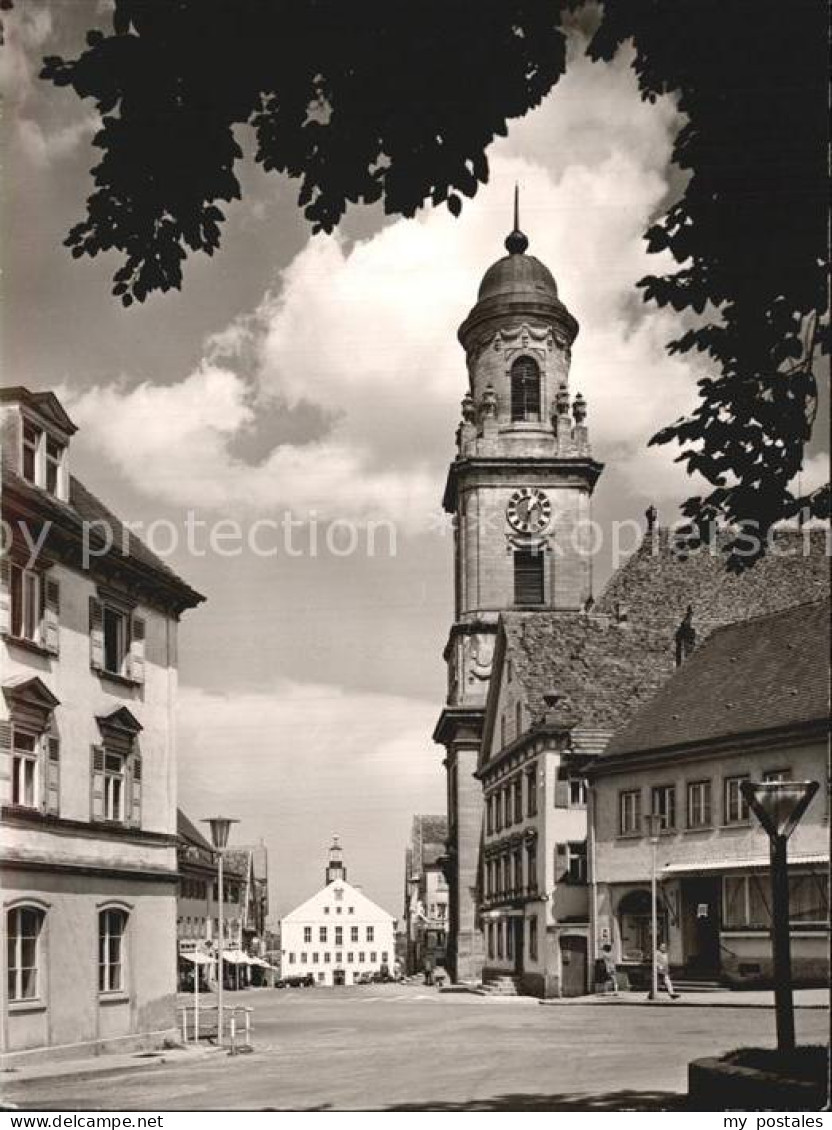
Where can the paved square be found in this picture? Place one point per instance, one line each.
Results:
(411, 1048)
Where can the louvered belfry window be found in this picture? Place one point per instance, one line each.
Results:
(525, 390)
(528, 577)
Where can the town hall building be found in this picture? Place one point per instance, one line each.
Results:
(338, 936)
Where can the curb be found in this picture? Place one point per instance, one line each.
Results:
(681, 1003)
(82, 1069)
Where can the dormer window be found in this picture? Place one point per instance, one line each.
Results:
(32, 437)
(54, 462)
(42, 464)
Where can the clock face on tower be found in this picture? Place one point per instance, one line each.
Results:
(529, 511)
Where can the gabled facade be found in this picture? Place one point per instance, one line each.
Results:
(88, 623)
(338, 936)
(751, 703)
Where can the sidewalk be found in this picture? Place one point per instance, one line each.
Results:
(95, 1065)
(751, 998)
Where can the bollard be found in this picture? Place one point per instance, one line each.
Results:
(233, 1033)
(184, 1012)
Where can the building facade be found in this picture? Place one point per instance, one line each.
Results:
(88, 620)
(519, 491)
(750, 704)
(338, 936)
(426, 895)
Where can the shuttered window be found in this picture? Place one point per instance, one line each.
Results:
(525, 390)
(528, 577)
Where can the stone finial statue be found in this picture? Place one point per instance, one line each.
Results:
(579, 410)
(469, 409)
(489, 402)
(562, 400)
(652, 516)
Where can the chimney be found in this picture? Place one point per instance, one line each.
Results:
(685, 637)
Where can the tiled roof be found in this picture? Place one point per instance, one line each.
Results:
(767, 673)
(84, 507)
(187, 830)
(605, 669)
(658, 582)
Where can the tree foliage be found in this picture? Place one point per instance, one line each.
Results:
(375, 101)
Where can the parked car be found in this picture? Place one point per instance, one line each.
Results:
(300, 981)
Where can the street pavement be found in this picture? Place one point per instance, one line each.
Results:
(408, 1047)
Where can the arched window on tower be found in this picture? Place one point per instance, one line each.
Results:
(525, 389)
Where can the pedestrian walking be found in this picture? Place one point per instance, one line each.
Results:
(428, 968)
(663, 970)
(610, 971)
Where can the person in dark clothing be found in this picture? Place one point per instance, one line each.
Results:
(610, 972)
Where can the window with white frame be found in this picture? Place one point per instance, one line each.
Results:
(307, 933)
(353, 933)
(322, 933)
(42, 458)
(371, 934)
(24, 925)
(32, 437)
(25, 765)
(116, 640)
(664, 805)
(54, 455)
(699, 804)
(531, 791)
(735, 806)
(112, 929)
(114, 786)
(629, 812)
(577, 792)
(26, 598)
(339, 935)
(576, 861)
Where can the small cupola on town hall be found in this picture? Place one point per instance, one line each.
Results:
(518, 339)
(335, 868)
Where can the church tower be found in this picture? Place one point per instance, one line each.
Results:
(519, 491)
(335, 868)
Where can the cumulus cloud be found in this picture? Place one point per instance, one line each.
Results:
(330, 761)
(27, 31)
(366, 332)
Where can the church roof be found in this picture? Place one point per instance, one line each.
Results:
(518, 285)
(516, 276)
(767, 673)
(606, 664)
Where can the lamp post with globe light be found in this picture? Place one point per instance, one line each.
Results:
(220, 829)
(779, 806)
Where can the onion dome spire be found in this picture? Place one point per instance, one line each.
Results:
(516, 242)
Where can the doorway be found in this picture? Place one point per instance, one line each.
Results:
(517, 929)
(701, 897)
(573, 960)
(339, 977)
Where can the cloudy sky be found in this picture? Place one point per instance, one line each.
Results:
(311, 380)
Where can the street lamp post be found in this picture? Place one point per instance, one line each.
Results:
(220, 829)
(654, 827)
(779, 806)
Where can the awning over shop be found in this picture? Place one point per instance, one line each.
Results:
(762, 862)
(196, 958)
(235, 957)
